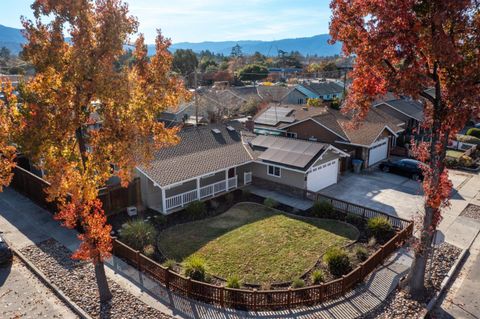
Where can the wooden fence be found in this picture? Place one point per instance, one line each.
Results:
(272, 299)
(113, 198)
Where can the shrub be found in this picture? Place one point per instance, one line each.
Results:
(298, 283)
(354, 219)
(196, 209)
(233, 282)
(160, 220)
(372, 242)
(468, 139)
(246, 194)
(337, 261)
(318, 276)
(138, 234)
(169, 263)
(195, 268)
(474, 132)
(361, 253)
(380, 227)
(323, 209)
(465, 161)
(270, 203)
(149, 250)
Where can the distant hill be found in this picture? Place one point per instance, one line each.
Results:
(312, 45)
(13, 39)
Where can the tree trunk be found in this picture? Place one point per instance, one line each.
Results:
(102, 283)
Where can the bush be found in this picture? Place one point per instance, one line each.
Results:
(246, 194)
(468, 139)
(354, 219)
(160, 220)
(169, 263)
(233, 282)
(270, 203)
(195, 268)
(318, 276)
(474, 132)
(361, 253)
(380, 227)
(372, 242)
(323, 209)
(338, 261)
(465, 161)
(196, 209)
(298, 283)
(138, 234)
(149, 250)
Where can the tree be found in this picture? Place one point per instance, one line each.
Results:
(253, 72)
(5, 53)
(237, 51)
(184, 61)
(76, 81)
(428, 45)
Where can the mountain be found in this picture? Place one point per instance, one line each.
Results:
(13, 39)
(312, 45)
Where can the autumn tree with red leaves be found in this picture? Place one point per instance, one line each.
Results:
(408, 47)
(83, 113)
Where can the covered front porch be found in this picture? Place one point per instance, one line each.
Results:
(175, 197)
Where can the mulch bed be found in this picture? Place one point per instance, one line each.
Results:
(471, 211)
(77, 280)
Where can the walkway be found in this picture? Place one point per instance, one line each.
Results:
(292, 201)
(24, 223)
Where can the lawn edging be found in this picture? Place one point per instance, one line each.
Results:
(64, 298)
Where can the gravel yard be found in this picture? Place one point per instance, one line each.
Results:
(23, 295)
(398, 305)
(471, 211)
(77, 281)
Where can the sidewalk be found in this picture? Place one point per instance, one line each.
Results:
(24, 224)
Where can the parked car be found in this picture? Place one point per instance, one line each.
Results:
(5, 252)
(406, 167)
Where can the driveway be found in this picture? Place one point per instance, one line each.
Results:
(24, 296)
(393, 194)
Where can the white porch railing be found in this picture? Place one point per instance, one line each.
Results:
(181, 199)
(247, 178)
(232, 182)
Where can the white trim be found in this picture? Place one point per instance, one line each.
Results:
(386, 127)
(274, 166)
(146, 175)
(312, 119)
(310, 170)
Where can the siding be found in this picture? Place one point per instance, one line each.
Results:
(240, 172)
(220, 176)
(310, 128)
(288, 177)
(183, 188)
(151, 195)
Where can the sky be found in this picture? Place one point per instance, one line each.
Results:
(212, 20)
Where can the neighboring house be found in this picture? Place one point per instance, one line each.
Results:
(215, 159)
(408, 111)
(179, 114)
(370, 141)
(274, 93)
(284, 73)
(325, 90)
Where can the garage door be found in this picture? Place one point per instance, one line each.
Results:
(322, 176)
(378, 152)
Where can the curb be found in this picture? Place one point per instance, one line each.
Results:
(447, 280)
(68, 302)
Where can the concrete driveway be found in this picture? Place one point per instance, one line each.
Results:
(386, 192)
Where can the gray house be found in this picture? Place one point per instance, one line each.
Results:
(325, 90)
(215, 159)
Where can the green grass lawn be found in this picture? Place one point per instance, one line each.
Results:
(454, 154)
(255, 243)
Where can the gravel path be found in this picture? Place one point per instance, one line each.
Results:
(472, 211)
(77, 280)
(397, 305)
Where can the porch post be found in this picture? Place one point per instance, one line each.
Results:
(164, 201)
(198, 188)
(226, 180)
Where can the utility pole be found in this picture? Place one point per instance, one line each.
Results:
(195, 83)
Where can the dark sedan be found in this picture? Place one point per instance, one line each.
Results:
(406, 167)
(5, 252)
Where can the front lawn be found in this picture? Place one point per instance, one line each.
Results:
(257, 244)
(454, 154)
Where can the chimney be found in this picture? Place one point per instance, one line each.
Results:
(249, 124)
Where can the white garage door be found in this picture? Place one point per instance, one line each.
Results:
(322, 176)
(378, 152)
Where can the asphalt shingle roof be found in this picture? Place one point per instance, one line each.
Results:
(412, 108)
(200, 152)
(324, 88)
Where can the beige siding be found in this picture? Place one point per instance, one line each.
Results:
(288, 177)
(151, 195)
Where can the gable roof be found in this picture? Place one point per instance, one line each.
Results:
(324, 88)
(273, 93)
(280, 115)
(200, 151)
(410, 108)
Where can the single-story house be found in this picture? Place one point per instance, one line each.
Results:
(325, 90)
(408, 111)
(370, 141)
(215, 159)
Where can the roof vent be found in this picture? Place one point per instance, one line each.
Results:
(216, 131)
(231, 128)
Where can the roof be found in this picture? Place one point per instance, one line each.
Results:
(305, 91)
(287, 151)
(410, 108)
(280, 115)
(273, 93)
(199, 152)
(324, 88)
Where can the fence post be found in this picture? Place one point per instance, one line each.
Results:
(343, 285)
(289, 298)
(254, 299)
(322, 292)
(139, 263)
(167, 279)
(189, 287)
(222, 297)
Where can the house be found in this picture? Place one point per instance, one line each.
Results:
(215, 159)
(370, 141)
(406, 110)
(325, 90)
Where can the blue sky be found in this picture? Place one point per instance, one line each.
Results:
(212, 20)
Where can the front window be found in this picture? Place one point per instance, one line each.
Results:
(292, 134)
(274, 171)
